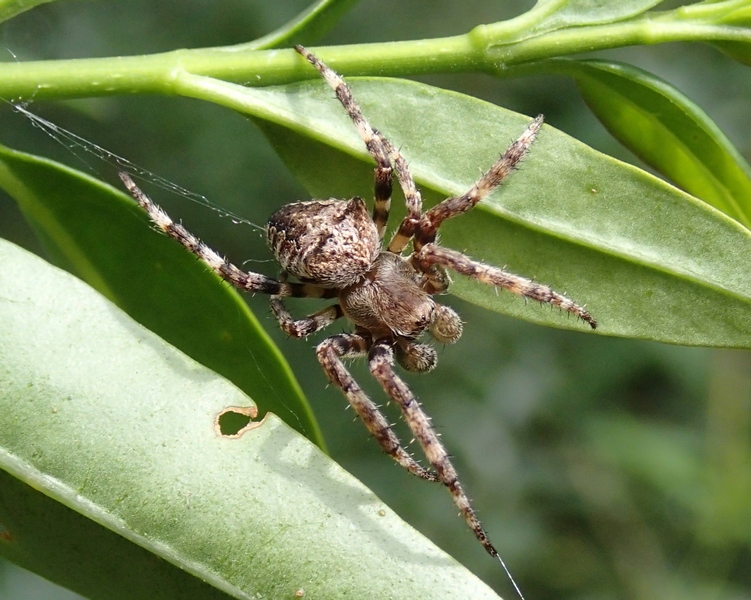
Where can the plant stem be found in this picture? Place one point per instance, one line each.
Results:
(588, 39)
(485, 48)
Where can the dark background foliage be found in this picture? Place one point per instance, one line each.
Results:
(602, 468)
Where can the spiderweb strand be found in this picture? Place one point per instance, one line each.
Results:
(76, 145)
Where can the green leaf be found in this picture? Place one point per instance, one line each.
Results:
(740, 51)
(668, 131)
(60, 544)
(648, 260)
(102, 236)
(101, 415)
(576, 13)
(10, 8)
(737, 17)
(550, 15)
(306, 28)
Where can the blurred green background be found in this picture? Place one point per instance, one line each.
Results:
(601, 467)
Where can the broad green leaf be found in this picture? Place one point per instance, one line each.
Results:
(307, 28)
(102, 236)
(60, 544)
(575, 13)
(668, 131)
(648, 260)
(551, 15)
(10, 8)
(102, 416)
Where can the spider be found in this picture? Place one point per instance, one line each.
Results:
(334, 249)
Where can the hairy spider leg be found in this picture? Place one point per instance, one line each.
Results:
(330, 353)
(432, 254)
(451, 207)
(381, 363)
(300, 328)
(376, 144)
(244, 280)
(383, 152)
(413, 200)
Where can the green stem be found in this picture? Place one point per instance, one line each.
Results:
(155, 73)
(485, 48)
(588, 39)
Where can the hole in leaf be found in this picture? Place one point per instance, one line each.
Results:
(234, 421)
(231, 422)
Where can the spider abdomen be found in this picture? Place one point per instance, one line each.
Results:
(329, 242)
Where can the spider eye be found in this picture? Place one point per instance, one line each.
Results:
(424, 320)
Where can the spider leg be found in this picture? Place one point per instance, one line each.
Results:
(304, 327)
(376, 144)
(244, 280)
(383, 153)
(330, 353)
(431, 255)
(451, 207)
(413, 200)
(381, 362)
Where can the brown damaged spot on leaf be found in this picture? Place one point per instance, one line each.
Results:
(235, 421)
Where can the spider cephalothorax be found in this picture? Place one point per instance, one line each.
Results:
(335, 249)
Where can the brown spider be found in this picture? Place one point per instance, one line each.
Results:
(334, 250)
